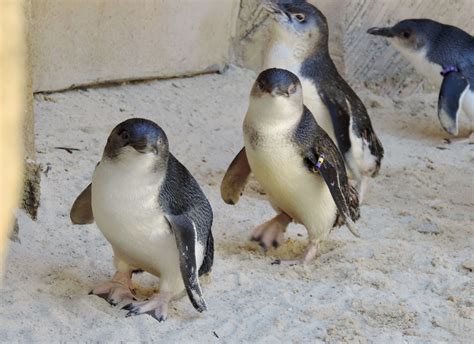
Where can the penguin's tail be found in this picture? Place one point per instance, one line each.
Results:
(208, 260)
(376, 149)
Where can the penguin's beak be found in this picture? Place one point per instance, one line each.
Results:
(142, 146)
(273, 7)
(381, 31)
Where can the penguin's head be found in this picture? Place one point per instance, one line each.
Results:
(299, 24)
(276, 91)
(137, 137)
(409, 34)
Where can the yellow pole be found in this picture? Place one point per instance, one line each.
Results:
(12, 99)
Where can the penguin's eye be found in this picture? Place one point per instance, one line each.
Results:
(125, 135)
(406, 34)
(291, 89)
(300, 17)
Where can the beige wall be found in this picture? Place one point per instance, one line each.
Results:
(91, 41)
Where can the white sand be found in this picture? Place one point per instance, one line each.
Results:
(394, 284)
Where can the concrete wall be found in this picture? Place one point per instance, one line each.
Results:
(91, 41)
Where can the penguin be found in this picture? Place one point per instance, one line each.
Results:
(299, 43)
(153, 213)
(445, 55)
(296, 163)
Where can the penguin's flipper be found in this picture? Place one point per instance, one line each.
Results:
(344, 195)
(81, 211)
(450, 99)
(186, 238)
(235, 178)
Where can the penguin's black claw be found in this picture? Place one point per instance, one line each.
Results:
(104, 296)
(276, 262)
(127, 307)
(159, 317)
(90, 293)
(254, 238)
(275, 243)
(159, 313)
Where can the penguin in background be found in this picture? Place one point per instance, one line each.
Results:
(299, 43)
(439, 51)
(153, 213)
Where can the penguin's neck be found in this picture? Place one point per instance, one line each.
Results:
(286, 55)
(269, 117)
(419, 59)
(134, 166)
(281, 54)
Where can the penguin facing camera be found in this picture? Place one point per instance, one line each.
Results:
(296, 163)
(153, 213)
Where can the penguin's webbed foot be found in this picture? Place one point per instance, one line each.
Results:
(271, 233)
(460, 140)
(307, 257)
(157, 307)
(116, 290)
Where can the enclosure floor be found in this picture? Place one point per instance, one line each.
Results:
(402, 280)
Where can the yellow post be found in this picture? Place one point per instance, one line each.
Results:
(12, 106)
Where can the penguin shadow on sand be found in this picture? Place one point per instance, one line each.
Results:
(292, 248)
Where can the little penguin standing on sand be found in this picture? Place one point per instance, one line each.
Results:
(296, 163)
(439, 51)
(153, 213)
(299, 43)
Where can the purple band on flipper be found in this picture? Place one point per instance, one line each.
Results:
(320, 161)
(449, 69)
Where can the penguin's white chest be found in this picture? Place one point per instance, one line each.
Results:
(126, 209)
(291, 187)
(418, 59)
(314, 103)
(468, 104)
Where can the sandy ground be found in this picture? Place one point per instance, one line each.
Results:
(404, 280)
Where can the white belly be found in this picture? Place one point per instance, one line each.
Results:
(290, 186)
(431, 71)
(468, 104)
(126, 210)
(314, 103)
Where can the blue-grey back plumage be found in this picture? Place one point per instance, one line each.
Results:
(181, 194)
